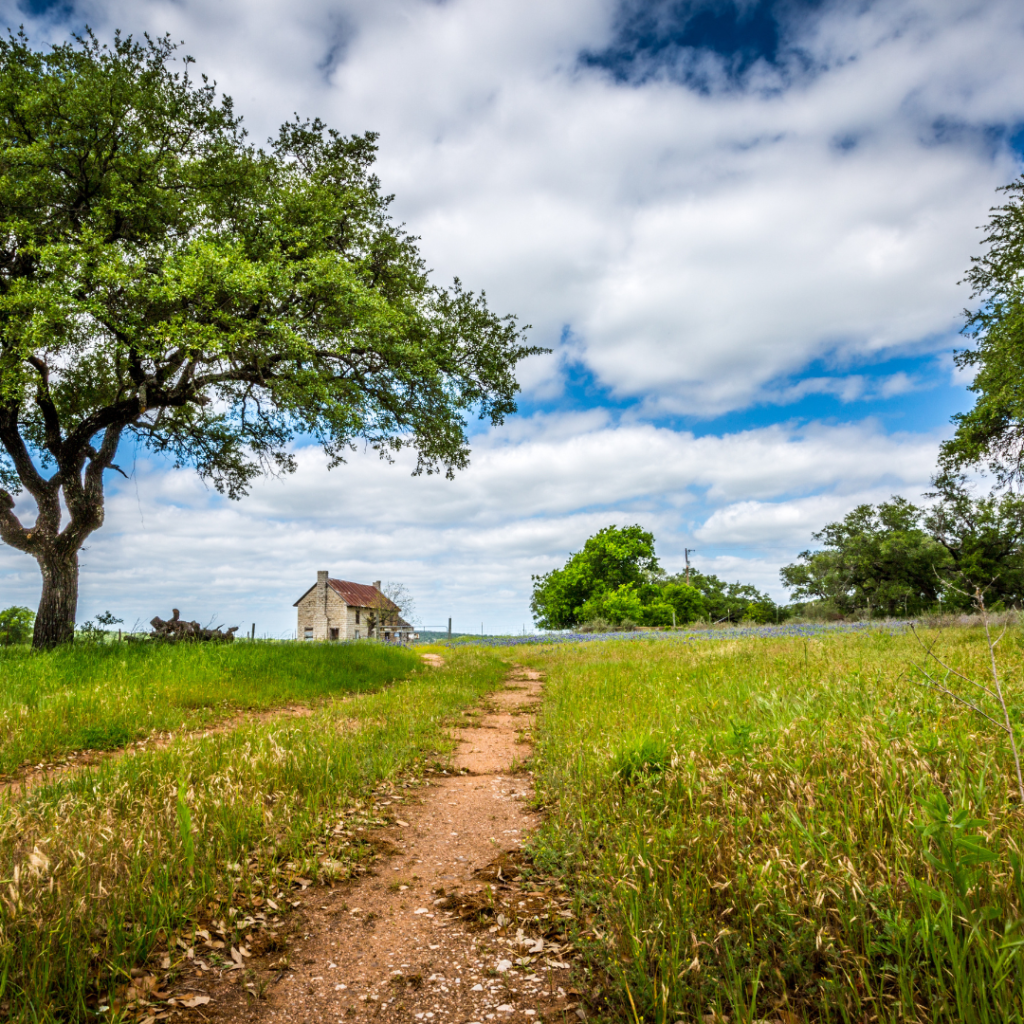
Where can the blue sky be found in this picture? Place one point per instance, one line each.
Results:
(739, 226)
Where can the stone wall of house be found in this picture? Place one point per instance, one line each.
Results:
(337, 617)
(355, 623)
(306, 616)
(323, 610)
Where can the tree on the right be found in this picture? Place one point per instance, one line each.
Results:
(984, 537)
(878, 559)
(991, 435)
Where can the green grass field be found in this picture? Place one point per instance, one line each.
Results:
(103, 868)
(104, 696)
(785, 829)
(777, 829)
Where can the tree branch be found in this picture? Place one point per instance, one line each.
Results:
(961, 700)
(99, 461)
(11, 530)
(38, 486)
(51, 420)
(949, 669)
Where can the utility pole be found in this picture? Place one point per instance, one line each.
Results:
(689, 551)
(449, 629)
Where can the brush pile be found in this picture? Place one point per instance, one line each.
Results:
(176, 630)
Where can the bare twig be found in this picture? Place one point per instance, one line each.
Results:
(995, 692)
(999, 690)
(949, 669)
(964, 701)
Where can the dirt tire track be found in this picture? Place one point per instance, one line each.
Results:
(379, 948)
(31, 777)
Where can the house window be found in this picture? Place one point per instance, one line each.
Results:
(308, 633)
(334, 634)
(357, 634)
(357, 616)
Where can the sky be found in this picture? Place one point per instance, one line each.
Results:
(739, 227)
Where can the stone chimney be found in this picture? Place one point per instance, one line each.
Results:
(320, 610)
(376, 584)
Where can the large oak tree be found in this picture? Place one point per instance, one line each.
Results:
(165, 283)
(878, 558)
(615, 559)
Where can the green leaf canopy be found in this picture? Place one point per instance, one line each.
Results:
(878, 558)
(600, 579)
(618, 579)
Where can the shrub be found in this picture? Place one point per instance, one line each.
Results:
(16, 626)
(658, 614)
(688, 602)
(761, 612)
(618, 606)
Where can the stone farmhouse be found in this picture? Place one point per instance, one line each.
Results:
(341, 610)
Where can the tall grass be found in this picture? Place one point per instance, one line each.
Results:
(786, 829)
(101, 869)
(103, 696)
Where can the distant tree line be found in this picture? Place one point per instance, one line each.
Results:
(900, 559)
(890, 559)
(616, 580)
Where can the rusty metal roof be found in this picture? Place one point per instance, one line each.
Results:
(357, 595)
(361, 595)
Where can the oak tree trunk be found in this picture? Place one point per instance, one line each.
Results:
(55, 620)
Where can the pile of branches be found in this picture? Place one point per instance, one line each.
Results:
(176, 629)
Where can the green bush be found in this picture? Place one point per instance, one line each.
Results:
(761, 612)
(658, 614)
(595, 626)
(619, 606)
(16, 626)
(687, 601)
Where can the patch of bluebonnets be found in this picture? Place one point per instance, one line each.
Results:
(800, 631)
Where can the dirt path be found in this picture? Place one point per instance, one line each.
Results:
(392, 945)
